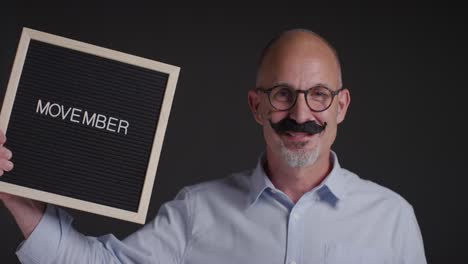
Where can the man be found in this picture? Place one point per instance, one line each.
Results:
(297, 206)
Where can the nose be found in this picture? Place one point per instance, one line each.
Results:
(300, 112)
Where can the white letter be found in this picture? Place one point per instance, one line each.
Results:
(39, 107)
(73, 115)
(64, 115)
(88, 120)
(58, 108)
(109, 123)
(101, 119)
(121, 126)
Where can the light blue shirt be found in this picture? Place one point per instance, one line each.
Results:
(244, 219)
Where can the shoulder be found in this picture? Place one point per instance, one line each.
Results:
(234, 185)
(369, 192)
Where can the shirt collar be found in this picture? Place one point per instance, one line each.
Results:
(331, 189)
(259, 181)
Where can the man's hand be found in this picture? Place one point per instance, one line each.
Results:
(5, 163)
(26, 212)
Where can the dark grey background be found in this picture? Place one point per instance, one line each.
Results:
(405, 68)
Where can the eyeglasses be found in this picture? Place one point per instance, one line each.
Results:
(283, 98)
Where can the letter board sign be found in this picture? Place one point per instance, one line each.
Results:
(86, 125)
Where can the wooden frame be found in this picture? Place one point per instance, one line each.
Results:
(172, 71)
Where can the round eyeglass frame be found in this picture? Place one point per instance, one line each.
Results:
(305, 92)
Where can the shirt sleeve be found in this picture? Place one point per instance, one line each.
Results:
(163, 240)
(411, 241)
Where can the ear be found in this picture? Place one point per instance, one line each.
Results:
(344, 99)
(254, 104)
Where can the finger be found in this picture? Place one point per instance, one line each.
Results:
(6, 165)
(5, 153)
(2, 137)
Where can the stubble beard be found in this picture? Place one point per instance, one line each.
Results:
(297, 156)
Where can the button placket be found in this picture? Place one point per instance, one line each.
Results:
(295, 239)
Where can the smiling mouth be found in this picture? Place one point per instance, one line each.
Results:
(298, 134)
(301, 138)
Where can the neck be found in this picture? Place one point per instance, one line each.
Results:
(294, 182)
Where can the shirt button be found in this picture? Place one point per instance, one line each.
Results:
(296, 216)
(292, 262)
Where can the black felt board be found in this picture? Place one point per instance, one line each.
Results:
(74, 159)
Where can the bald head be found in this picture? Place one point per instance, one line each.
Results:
(301, 44)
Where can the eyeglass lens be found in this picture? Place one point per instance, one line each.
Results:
(318, 97)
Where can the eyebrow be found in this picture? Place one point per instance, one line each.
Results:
(291, 86)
